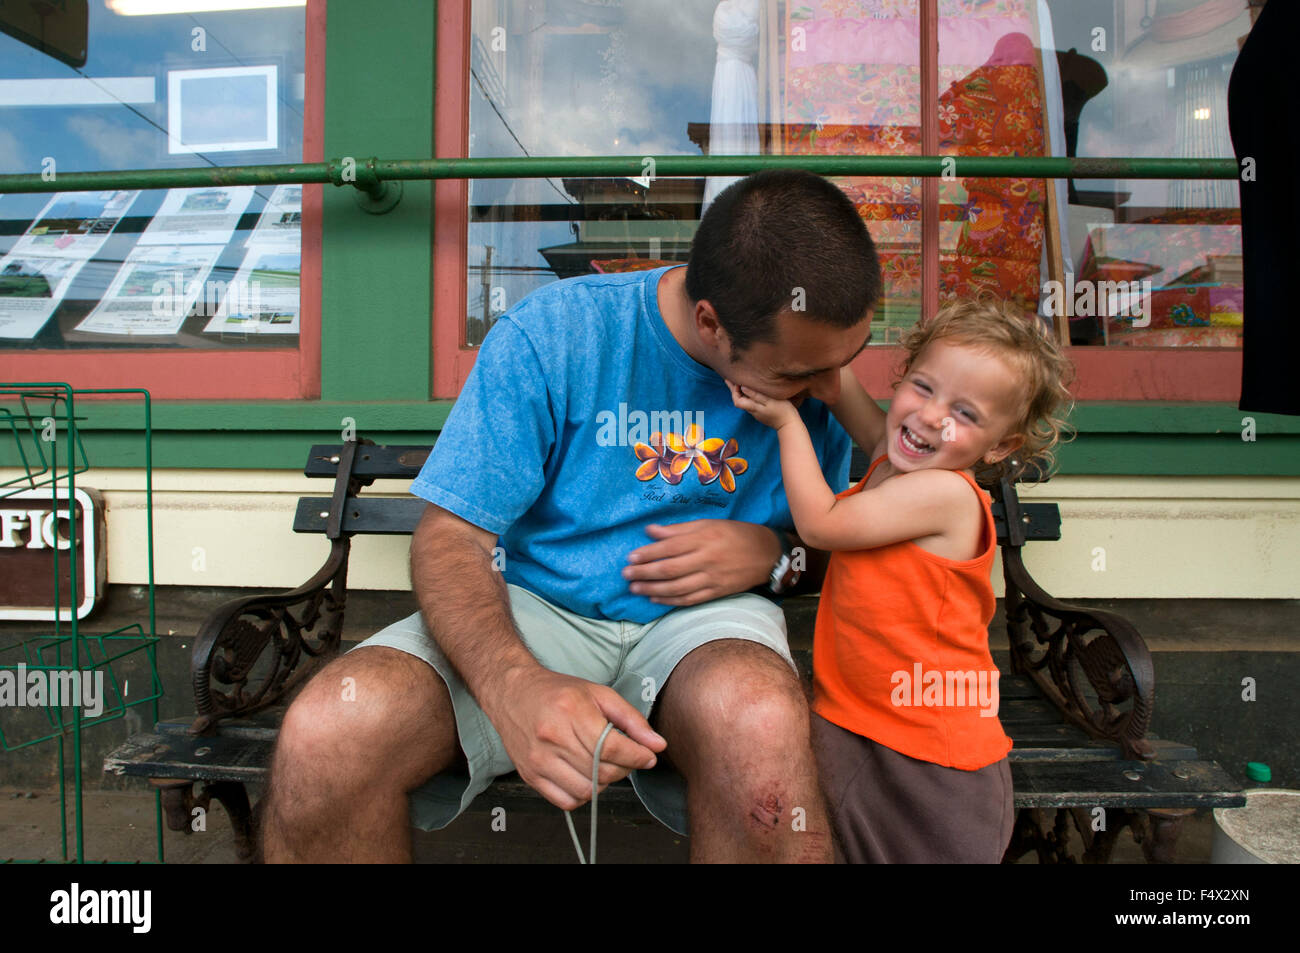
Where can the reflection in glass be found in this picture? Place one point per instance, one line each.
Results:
(1149, 78)
(684, 77)
(992, 233)
(851, 86)
(212, 267)
(821, 77)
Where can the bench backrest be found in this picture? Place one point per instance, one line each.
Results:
(387, 516)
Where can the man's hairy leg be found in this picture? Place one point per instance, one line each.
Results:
(342, 767)
(737, 726)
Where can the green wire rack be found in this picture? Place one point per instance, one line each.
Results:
(55, 674)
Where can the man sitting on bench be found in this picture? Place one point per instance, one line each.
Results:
(596, 415)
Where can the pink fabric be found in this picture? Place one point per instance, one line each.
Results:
(897, 42)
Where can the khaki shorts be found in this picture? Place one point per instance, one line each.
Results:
(633, 659)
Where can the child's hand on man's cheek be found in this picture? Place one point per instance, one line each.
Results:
(766, 410)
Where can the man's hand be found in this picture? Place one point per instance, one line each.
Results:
(699, 560)
(550, 724)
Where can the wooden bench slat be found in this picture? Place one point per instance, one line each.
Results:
(245, 728)
(242, 750)
(156, 755)
(1017, 686)
(1038, 782)
(1095, 750)
(1047, 784)
(372, 462)
(397, 516)
(1026, 712)
(1043, 520)
(371, 516)
(397, 461)
(1057, 734)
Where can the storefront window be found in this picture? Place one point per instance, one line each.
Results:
(131, 84)
(1151, 263)
(1015, 78)
(850, 84)
(993, 232)
(571, 77)
(603, 77)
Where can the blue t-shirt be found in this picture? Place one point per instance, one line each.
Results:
(582, 421)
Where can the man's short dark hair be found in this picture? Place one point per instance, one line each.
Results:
(773, 232)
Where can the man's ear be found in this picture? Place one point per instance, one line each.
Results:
(706, 321)
(710, 330)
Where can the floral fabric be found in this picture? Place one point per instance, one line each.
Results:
(852, 86)
(1192, 259)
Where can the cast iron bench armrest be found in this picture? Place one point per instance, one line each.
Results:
(261, 639)
(240, 634)
(1049, 643)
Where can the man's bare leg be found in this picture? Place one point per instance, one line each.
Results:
(348, 753)
(737, 726)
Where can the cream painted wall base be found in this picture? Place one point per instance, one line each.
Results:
(1122, 537)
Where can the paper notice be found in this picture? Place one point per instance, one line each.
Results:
(281, 220)
(263, 297)
(154, 290)
(74, 225)
(30, 289)
(38, 271)
(198, 216)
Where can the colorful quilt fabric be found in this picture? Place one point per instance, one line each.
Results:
(852, 86)
(1194, 302)
(1178, 337)
(610, 266)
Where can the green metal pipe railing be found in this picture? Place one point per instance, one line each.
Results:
(370, 175)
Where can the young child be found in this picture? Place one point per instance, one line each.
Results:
(912, 755)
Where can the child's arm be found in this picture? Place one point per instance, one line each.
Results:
(909, 506)
(906, 507)
(805, 484)
(858, 413)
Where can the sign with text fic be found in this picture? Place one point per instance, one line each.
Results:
(36, 556)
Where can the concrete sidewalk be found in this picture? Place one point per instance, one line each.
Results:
(119, 826)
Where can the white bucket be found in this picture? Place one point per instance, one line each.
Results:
(1265, 831)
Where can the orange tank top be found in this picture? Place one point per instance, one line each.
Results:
(901, 649)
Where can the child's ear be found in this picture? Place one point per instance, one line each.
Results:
(1005, 448)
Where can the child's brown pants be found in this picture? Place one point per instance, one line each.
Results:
(887, 808)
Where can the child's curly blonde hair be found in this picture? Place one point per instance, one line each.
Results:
(1024, 342)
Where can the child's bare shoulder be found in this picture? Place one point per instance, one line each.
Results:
(935, 481)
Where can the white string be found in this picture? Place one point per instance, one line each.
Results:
(595, 782)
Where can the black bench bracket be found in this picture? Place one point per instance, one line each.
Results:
(252, 652)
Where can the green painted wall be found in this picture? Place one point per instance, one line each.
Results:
(376, 287)
(1114, 438)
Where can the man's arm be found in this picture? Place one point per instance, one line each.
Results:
(700, 560)
(549, 722)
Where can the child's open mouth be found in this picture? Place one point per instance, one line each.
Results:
(912, 444)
